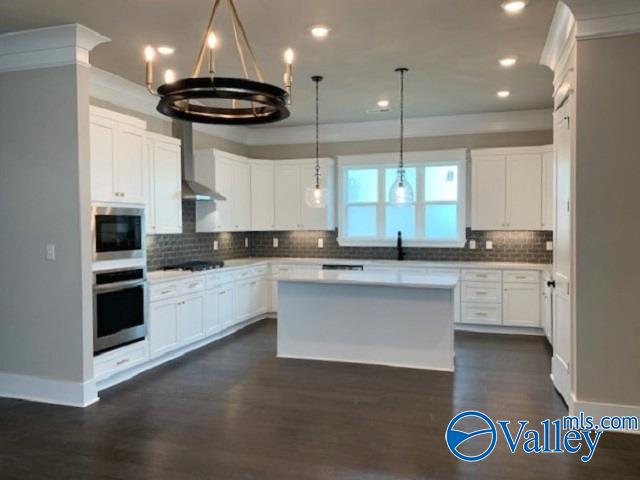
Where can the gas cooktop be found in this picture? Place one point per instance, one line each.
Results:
(196, 266)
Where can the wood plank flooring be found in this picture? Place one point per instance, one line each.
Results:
(233, 411)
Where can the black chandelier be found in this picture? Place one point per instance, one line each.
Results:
(223, 100)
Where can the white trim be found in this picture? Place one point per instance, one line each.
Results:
(47, 390)
(365, 362)
(499, 329)
(48, 47)
(475, 123)
(511, 150)
(611, 26)
(599, 409)
(117, 117)
(560, 37)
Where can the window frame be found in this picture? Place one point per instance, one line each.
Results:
(419, 160)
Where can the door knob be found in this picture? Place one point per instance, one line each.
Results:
(551, 283)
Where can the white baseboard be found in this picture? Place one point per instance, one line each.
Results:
(152, 363)
(464, 327)
(47, 390)
(598, 410)
(365, 362)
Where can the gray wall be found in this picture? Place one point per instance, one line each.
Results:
(45, 307)
(485, 140)
(607, 284)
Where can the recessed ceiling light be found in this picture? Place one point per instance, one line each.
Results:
(508, 61)
(320, 31)
(514, 6)
(503, 93)
(165, 50)
(383, 103)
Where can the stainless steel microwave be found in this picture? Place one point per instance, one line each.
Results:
(118, 232)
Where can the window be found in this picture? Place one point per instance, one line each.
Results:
(435, 218)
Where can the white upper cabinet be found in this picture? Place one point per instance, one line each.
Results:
(118, 157)
(548, 190)
(164, 203)
(262, 195)
(229, 175)
(287, 197)
(510, 189)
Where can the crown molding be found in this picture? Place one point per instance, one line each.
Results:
(132, 96)
(610, 26)
(476, 123)
(48, 47)
(560, 39)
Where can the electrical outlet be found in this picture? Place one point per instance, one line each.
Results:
(50, 253)
(488, 245)
(321, 243)
(549, 246)
(246, 242)
(215, 245)
(275, 242)
(472, 245)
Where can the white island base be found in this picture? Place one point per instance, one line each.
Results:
(395, 319)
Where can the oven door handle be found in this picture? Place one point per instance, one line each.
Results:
(112, 287)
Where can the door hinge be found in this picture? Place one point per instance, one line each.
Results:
(569, 206)
(568, 119)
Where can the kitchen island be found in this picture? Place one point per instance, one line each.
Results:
(401, 319)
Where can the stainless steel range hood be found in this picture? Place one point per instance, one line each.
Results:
(191, 190)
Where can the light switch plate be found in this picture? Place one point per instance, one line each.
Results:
(489, 245)
(472, 245)
(321, 243)
(549, 246)
(50, 253)
(215, 245)
(246, 242)
(275, 242)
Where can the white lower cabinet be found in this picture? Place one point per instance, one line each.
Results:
(191, 319)
(225, 306)
(481, 314)
(163, 327)
(521, 305)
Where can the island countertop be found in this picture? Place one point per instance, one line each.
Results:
(387, 279)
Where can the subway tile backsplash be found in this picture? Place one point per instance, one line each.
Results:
(164, 250)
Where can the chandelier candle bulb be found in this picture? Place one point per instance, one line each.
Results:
(289, 57)
(149, 54)
(212, 42)
(169, 76)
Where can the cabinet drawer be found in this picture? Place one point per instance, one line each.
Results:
(261, 270)
(192, 285)
(243, 274)
(163, 290)
(481, 314)
(219, 278)
(118, 360)
(521, 276)
(482, 292)
(481, 275)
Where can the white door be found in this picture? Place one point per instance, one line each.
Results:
(130, 164)
(223, 214)
(548, 191)
(226, 306)
(166, 188)
(262, 196)
(241, 197)
(562, 252)
(191, 319)
(524, 192)
(311, 218)
(288, 197)
(521, 304)
(102, 135)
(212, 319)
(163, 327)
(488, 192)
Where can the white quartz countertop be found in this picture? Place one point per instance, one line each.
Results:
(386, 279)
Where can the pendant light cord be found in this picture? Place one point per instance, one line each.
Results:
(317, 79)
(401, 169)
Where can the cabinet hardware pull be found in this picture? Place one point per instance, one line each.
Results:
(481, 314)
(164, 292)
(481, 293)
(522, 277)
(120, 362)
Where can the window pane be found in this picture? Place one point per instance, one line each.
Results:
(361, 221)
(362, 185)
(402, 219)
(441, 183)
(390, 175)
(441, 222)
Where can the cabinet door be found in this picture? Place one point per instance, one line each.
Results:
(241, 197)
(166, 186)
(243, 301)
(262, 197)
(524, 192)
(223, 221)
(521, 305)
(288, 197)
(312, 218)
(488, 193)
(225, 306)
(163, 327)
(261, 293)
(130, 164)
(273, 307)
(548, 191)
(191, 319)
(102, 142)
(212, 319)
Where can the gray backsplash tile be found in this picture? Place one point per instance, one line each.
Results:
(164, 250)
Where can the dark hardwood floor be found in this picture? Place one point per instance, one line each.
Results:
(233, 411)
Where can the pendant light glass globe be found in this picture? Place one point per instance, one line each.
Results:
(316, 197)
(401, 192)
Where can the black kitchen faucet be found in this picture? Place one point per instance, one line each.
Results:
(399, 246)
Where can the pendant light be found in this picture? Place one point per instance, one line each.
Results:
(401, 192)
(316, 195)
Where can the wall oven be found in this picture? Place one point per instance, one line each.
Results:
(120, 300)
(117, 233)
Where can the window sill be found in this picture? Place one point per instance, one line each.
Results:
(373, 242)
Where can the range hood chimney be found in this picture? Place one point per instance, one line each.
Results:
(191, 190)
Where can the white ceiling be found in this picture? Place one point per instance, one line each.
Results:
(451, 47)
